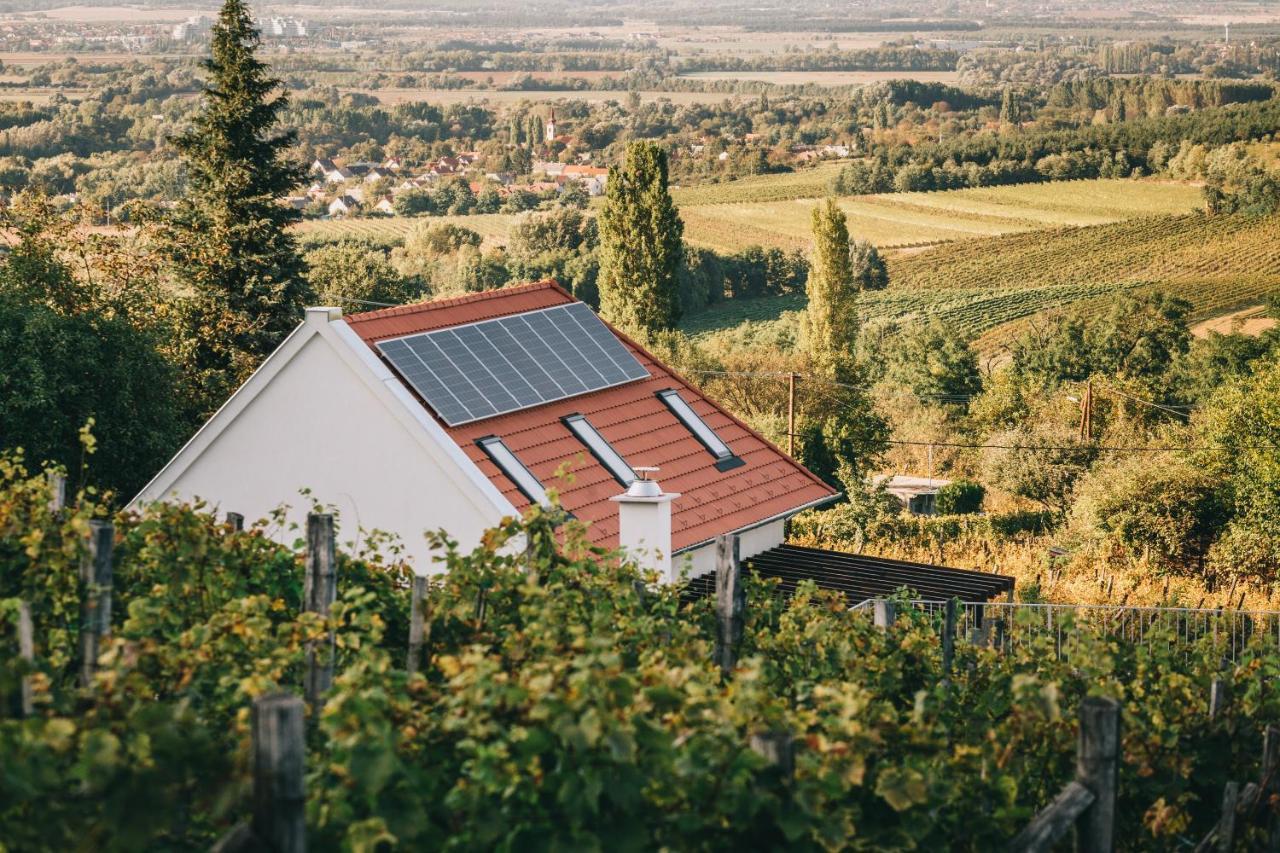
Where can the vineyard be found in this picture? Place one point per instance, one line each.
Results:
(551, 699)
(1216, 263)
(984, 287)
(971, 311)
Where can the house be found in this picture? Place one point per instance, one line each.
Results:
(343, 205)
(386, 205)
(593, 178)
(457, 413)
(391, 164)
(348, 408)
(377, 173)
(916, 494)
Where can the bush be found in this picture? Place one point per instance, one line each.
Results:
(961, 497)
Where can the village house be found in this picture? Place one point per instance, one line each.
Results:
(386, 205)
(918, 495)
(456, 413)
(343, 205)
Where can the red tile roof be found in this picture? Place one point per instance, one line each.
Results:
(631, 418)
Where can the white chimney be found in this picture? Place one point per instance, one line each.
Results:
(644, 524)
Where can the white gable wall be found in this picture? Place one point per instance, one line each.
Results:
(328, 421)
(702, 559)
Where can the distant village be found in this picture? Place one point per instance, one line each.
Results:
(390, 188)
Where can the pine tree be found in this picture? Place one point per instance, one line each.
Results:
(640, 244)
(235, 262)
(830, 324)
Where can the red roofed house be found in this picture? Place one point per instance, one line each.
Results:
(454, 413)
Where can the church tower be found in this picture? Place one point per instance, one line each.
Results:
(551, 126)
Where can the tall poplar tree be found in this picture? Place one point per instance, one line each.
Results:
(841, 433)
(830, 324)
(640, 244)
(239, 274)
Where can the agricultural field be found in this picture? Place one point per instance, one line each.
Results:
(826, 78)
(802, 183)
(391, 230)
(894, 220)
(987, 288)
(391, 96)
(773, 210)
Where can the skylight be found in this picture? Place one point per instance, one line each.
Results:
(696, 425)
(514, 469)
(601, 449)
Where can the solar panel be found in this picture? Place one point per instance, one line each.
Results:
(480, 370)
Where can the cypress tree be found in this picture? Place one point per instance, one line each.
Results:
(830, 323)
(640, 244)
(236, 264)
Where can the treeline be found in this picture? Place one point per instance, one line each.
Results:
(832, 59)
(1108, 150)
(1153, 97)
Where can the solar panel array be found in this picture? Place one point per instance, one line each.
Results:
(480, 370)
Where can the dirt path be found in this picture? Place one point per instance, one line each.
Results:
(1249, 321)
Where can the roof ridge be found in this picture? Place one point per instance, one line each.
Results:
(453, 301)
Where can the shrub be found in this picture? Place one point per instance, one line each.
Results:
(961, 497)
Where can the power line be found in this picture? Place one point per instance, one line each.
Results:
(1078, 447)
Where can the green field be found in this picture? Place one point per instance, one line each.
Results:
(988, 288)
(773, 210)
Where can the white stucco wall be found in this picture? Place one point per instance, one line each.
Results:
(325, 421)
(750, 542)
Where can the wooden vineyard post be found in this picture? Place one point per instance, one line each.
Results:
(95, 596)
(1089, 802)
(731, 604)
(57, 491)
(884, 613)
(320, 589)
(1227, 823)
(1270, 786)
(949, 638)
(278, 823)
(997, 634)
(417, 622)
(27, 651)
(1218, 698)
(279, 761)
(1097, 768)
(778, 748)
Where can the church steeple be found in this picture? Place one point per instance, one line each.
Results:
(551, 126)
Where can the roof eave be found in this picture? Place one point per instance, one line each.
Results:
(814, 504)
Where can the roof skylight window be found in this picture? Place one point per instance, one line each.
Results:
(696, 425)
(600, 449)
(515, 470)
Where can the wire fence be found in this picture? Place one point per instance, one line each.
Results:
(1007, 625)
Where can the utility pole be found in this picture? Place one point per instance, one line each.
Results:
(791, 414)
